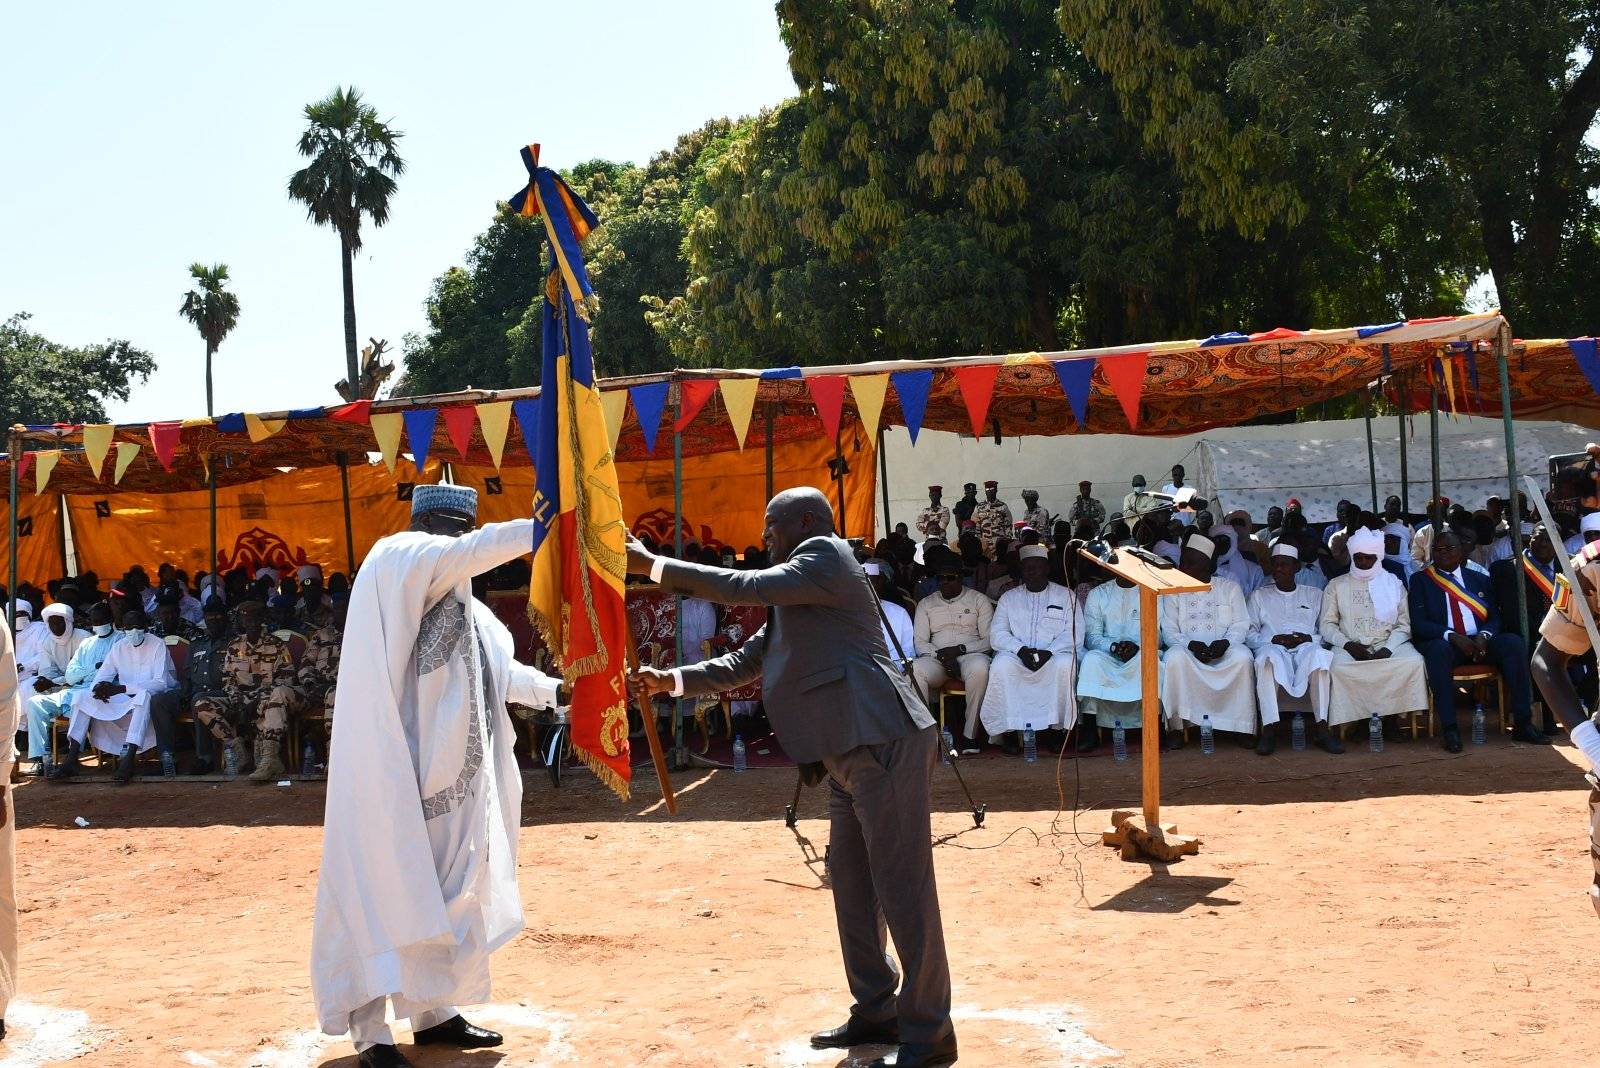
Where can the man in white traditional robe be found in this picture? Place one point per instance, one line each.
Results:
(1036, 633)
(10, 715)
(1208, 672)
(114, 716)
(45, 652)
(1110, 686)
(419, 881)
(29, 631)
(1285, 624)
(1367, 621)
(42, 709)
(1235, 565)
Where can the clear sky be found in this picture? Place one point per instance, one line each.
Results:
(142, 137)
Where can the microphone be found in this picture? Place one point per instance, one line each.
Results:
(1187, 497)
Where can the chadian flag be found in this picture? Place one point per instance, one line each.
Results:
(576, 597)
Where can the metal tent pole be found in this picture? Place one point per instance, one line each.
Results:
(1502, 349)
(211, 486)
(772, 419)
(349, 530)
(1400, 420)
(15, 449)
(1372, 461)
(883, 478)
(679, 759)
(838, 482)
(1435, 512)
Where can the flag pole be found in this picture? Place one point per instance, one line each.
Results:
(647, 716)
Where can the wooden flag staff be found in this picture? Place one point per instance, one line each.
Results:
(1133, 833)
(648, 717)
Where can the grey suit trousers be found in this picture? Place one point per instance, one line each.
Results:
(882, 869)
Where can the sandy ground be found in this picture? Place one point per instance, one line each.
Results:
(1401, 908)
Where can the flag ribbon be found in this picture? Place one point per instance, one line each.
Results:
(1454, 591)
(1545, 585)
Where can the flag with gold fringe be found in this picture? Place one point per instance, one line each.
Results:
(576, 596)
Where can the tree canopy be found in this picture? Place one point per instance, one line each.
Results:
(42, 381)
(968, 176)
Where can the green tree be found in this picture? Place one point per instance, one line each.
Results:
(354, 162)
(213, 311)
(44, 382)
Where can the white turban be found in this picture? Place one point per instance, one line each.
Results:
(57, 611)
(1385, 589)
(1590, 524)
(24, 608)
(1031, 552)
(1365, 541)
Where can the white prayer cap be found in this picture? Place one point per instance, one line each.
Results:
(1366, 542)
(1033, 552)
(1201, 544)
(872, 567)
(309, 571)
(1590, 523)
(266, 572)
(1285, 548)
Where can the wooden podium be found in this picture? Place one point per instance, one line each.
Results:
(1128, 832)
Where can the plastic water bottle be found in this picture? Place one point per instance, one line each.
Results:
(739, 764)
(169, 766)
(308, 759)
(1480, 725)
(230, 762)
(1030, 744)
(1375, 734)
(1208, 737)
(1119, 742)
(948, 741)
(1297, 733)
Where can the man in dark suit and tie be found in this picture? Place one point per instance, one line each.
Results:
(835, 699)
(1455, 619)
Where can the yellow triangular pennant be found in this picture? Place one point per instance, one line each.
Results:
(615, 403)
(386, 428)
(1449, 382)
(187, 423)
(739, 395)
(126, 451)
(868, 390)
(96, 443)
(495, 417)
(261, 429)
(44, 463)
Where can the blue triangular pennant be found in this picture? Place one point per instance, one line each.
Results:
(527, 413)
(648, 401)
(232, 423)
(1075, 375)
(782, 372)
(1232, 337)
(913, 387)
(419, 433)
(1583, 350)
(308, 413)
(1368, 331)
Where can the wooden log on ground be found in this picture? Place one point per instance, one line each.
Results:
(1129, 833)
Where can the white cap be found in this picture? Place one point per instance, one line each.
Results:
(1590, 523)
(1201, 544)
(1033, 552)
(872, 567)
(1285, 548)
(309, 571)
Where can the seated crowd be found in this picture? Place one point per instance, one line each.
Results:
(123, 669)
(1369, 618)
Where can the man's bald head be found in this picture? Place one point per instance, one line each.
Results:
(794, 516)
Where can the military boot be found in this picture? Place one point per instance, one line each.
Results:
(269, 765)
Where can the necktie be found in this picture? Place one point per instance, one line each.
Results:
(1457, 618)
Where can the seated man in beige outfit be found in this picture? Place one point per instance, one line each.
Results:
(952, 634)
(1366, 618)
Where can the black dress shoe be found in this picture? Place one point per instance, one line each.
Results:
(457, 1032)
(858, 1032)
(1329, 742)
(382, 1057)
(1528, 734)
(1451, 740)
(124, 772)
(919, 1055)
(203, 767)
(1009, 744)
(1267, 744)
(1172, 740)
(1088, 738)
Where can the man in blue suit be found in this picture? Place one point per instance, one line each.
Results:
(1455, 620)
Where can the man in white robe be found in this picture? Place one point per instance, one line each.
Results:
(114, 716)
(1208, 672)
(46, 653)
(43, 708)
(29, 632)
(899, 633)
(1367, 621)
(1233, 564)
(418, 884)
(1285, 621)
(10, 714)
(1036, 633)
(1110, 682)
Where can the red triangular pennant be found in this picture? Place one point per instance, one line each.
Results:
(355, 412)
(1125, 376)
(692, 396)
(164, 438)
(977, 389)
(24, 464)
(458, 422)
(827, 393)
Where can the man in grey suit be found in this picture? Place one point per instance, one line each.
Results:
(835, 698)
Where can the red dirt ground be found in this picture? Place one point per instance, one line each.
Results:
(1393, 909)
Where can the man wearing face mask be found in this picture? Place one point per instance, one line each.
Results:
(53, 648)
(419, 880)
(43, 708)
(257, 687)
(202, 679)
(117, 707)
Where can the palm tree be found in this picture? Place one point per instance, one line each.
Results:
(213, 311)
(351, 174)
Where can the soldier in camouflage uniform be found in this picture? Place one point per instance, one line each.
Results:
(934, 520)
(258, 684)
(319, 667)
(993, 517)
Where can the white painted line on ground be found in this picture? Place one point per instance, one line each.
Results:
(38, 1035)
(1054, 1030)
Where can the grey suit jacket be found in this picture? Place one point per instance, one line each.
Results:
(827, 680)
